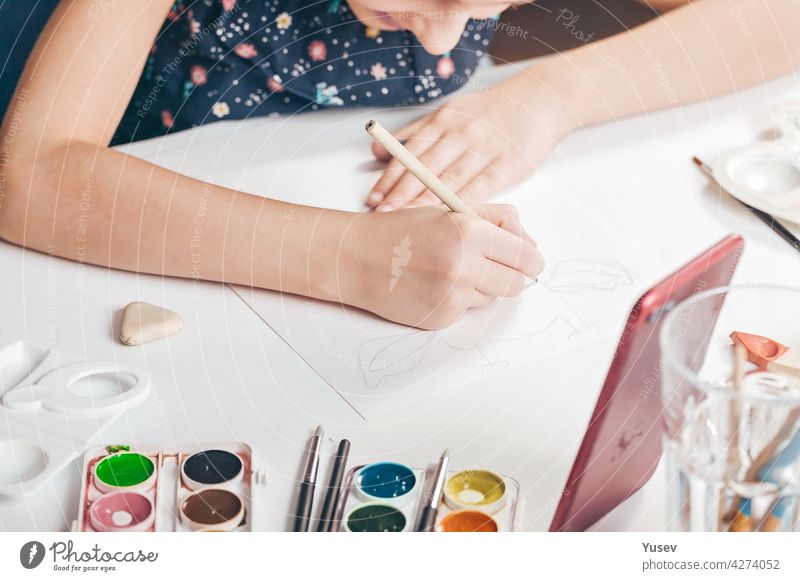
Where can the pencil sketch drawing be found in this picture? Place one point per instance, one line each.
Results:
(541, 307)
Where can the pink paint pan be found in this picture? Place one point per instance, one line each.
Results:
(118, 512)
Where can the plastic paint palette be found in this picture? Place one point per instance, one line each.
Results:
(388, 497)
(51, 406)
(766, 175)
(183, 488)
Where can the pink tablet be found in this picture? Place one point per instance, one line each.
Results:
(622, 444)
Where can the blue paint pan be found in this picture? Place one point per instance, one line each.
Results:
(385, 481)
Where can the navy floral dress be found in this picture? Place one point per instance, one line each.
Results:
(232, 59)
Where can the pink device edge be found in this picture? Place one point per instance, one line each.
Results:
(580, 506)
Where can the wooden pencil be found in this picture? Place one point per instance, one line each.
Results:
(398, 151)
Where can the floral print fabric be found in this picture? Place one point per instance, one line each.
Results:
(231, 59)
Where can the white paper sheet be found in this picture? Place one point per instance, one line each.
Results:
(592, 278)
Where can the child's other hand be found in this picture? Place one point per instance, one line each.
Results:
(478, 143)
(426, 267)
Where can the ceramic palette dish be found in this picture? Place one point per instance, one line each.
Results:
(387, 497)
(766, 175)
(52, 406)
(184, 488)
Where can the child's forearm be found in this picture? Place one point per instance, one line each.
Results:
(92, 204)
(423, 267)
(703, 49)
(65, 193)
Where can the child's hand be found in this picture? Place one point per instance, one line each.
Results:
(426, 267)
(478, 143)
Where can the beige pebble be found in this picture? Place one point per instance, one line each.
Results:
(143, 322)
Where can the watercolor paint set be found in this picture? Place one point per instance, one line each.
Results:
(158, 489)
(52, 406)
(388, 497)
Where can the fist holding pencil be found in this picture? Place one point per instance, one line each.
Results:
(443, 263)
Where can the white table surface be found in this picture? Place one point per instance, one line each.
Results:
(228, 377)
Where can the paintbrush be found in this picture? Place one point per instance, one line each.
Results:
(734, 462)
(427, 520)
(309, 480)
(739, 366)
(770, 451)
(326, 519)
(768, 219)
(769, 455)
